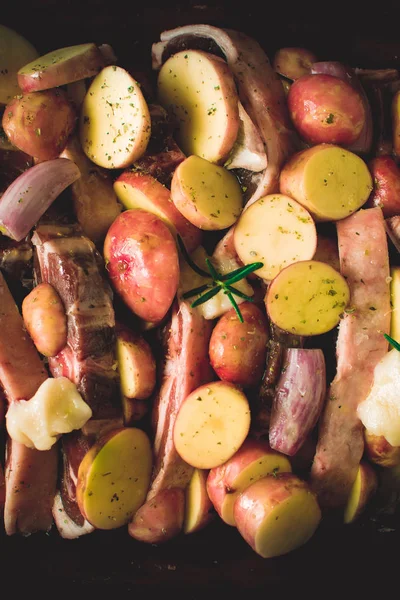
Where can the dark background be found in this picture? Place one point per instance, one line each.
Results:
(360, 559)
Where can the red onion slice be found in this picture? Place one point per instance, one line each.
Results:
(363, 143)
(298, 400)
(31, 194)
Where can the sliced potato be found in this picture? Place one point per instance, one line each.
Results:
(115, 121)
(211, 425)
(114, 477)
(395, 303)
(60, 67)
(276, 231)
(136, 365)
(277, 514)
(207, 195)
(199, 510)
(198, 89)
(363, 489)
(332, 183)
(15, 52)
(307, 298)
(219, 304)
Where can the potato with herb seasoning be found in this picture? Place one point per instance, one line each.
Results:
(212, 424)
(198, 90)
(331, 182)
(40, 123)
(307, 298)
(208, 196)
(238, 350)
(15, 52)
(115, 123)
(45, 319)
(114, 477)
(276, 231)
(142, 263)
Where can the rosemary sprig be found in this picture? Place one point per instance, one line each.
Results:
(219, 282)
(392, 342)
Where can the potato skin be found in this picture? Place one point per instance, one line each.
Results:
(159, 519)
(142, 263)
(325, 109)
(386, 193)
(40, 123)
(45, 319)
(238, 350)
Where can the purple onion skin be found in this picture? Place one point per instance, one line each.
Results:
(31, 194)
(363, 143)
(299, 398)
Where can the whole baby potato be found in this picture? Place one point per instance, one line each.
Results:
(40, 123)
(238, 350)
(386, 193)
(142, 263)
(45, 319)
(325, 109)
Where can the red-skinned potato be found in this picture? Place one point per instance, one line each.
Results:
(136, 189)
(136, 364)
(380, 452)
(363, 489)
(45, 319)
(325, 109)
(61, 67)
(293, 63)
(386, 193)
(40, 123)
(238, 350)
(253, 460)
(159, 519)
(142, 263)
(199, 510)
(277, 514)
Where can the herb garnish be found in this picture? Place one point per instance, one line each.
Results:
(219, 281)
(391, 341)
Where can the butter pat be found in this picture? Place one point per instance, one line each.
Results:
(380, 411)
(56, 408)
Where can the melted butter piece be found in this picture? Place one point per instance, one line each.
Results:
(56, 408)
(380, 411)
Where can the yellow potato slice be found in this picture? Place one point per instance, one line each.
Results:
(307, 298)
(276, 231)
(207, 195)
(332, 183)
(211, 425)
(115, 121)
(364, 487)
(395, 303)
(198, 90)
(15, 52)
(114, 477)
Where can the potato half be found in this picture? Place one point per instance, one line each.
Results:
(211, 425)
(332, 183)
(115, 121)
(207, 195)
(307, 298)
(276, 231)
(114, 477)
(198, 90)
(15, 52)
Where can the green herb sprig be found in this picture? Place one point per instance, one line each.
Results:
(391, 341)
(219, 282)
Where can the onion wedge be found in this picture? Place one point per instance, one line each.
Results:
(299, 398)
(31, 194)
